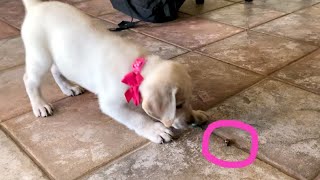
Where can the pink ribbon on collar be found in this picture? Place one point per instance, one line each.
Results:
(134, 79)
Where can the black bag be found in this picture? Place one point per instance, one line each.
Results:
(156, 11)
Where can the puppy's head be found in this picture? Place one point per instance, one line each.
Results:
(166, 92)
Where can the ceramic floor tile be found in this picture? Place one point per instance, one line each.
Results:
(305, 72)
(304, 27)
(190, 32)
(313, 11)
(7, 31)
(95, 7)
(151, 45)
(213, 81)
(154, 46)
(287, 121)
(14, 164)
(13, 96)
(182, 159)
(12, 12)
(257, 52)
(284, 5)
(242, 15)
(190, 6)
(77, 138)
(11, 53)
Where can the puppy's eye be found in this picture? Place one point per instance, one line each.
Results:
(179, 106)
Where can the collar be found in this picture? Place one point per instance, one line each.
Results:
(134, 80)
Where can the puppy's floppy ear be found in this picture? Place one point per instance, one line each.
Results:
(161, 105)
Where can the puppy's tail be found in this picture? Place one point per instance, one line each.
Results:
(29, 3)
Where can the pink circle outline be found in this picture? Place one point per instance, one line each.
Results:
(230, 123)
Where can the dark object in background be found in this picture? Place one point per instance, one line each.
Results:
(156, 11)
(199, 1)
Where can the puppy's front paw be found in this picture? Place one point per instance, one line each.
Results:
(200, 117)
(42, 110)
(73, 90)
(157, 133)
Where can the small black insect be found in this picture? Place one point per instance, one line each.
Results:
(227, 142)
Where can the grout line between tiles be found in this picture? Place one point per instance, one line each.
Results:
(30, 110)
(234, 34)
(285, 37)
(12, 68)
(266, 160)
(115, 159)
(154, 37)
(251, 28)
(134, 30)
(26, 152)
(317, 177)
(248, 70)
(7, 23)
(292, 62)
(188, 50)
(294, 85)
(195, 15)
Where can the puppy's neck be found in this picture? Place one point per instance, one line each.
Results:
(152, 63)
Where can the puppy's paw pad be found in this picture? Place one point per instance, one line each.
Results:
(200, 117)
(158, 133)
(42, 110)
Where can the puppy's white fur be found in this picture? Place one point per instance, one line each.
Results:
(60, 37)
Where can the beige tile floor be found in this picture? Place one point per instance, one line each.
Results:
(257, 62)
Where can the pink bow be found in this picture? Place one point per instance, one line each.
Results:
(134, 79)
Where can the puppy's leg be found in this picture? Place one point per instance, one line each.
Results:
(37, 64)
(66, 87)
(137, 121)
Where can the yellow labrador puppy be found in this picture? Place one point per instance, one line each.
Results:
(59, 37)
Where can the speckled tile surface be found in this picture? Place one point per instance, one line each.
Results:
(190, 6)
(14, 164)
(12, 12)
(257, 52)
(95, 7)
(305, 72)
(151, 45)
(287, 121)
(304, 26)
(154, 46)
(182, 159)
(213, 80)
(313, 11)
(7, 31)
(285, 5)
(77, 138)
(11, 53)
(242, 15)
(190, 32)
(13, 96)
